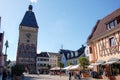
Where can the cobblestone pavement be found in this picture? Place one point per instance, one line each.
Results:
(53, 77)
(45, 77)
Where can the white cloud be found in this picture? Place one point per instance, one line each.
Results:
(33, 1)
(38, 51)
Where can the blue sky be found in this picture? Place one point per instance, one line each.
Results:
(61, 22)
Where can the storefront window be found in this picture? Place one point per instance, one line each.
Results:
(115, 69)
(101, 69)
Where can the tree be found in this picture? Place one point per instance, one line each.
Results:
(84, 62)
(49, 66)
(60, 64)
(18, 69)
(69, 63)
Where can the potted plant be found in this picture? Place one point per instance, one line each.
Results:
(84, 62)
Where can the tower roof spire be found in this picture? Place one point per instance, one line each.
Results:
(29, 18)
(30, 7)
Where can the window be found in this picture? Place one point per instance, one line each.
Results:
(22, 47)
(75, 62)
(111, 24)
(115, 69)
(76, 53)
(119, 37)
(111, 41)
(67, 55)
(118, 19)
(28, 41)
(90, 49)
(27, 47)
(72, 54)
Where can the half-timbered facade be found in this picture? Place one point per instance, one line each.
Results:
(104, 42)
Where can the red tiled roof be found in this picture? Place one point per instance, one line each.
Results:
(100, 26)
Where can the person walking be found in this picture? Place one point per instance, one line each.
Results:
(70, 75)
(4, 77)
(78, 75)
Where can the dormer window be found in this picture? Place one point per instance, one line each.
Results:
(76, 53)
(67, 55)
(118, 19)
(72, 54)
(111, 24)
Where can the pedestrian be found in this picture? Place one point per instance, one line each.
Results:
(9, 74)
(78, 75)
(38, 73)
(4, 77)
(90, 72)
(70, 75)
(103, 75)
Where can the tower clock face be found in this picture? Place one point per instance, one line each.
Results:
(28, 35)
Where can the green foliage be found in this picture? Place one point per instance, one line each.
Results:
(18, 69)
(60, 64)
(84, 62)
(69, 63)
(49, 66)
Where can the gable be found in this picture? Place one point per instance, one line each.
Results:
(101, 26)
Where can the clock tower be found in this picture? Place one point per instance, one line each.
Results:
(27, 42)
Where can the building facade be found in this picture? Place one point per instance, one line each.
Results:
(54, 58)
(1, 54)
(42, 62)
(46, 60)
(27, 43)
(104, 44)
(71, 57)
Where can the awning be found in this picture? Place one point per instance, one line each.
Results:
(90, 66)
(118, 62)
(112, 60)
(75, 67)
(68, 67)
(55, 68)
(98, 62)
